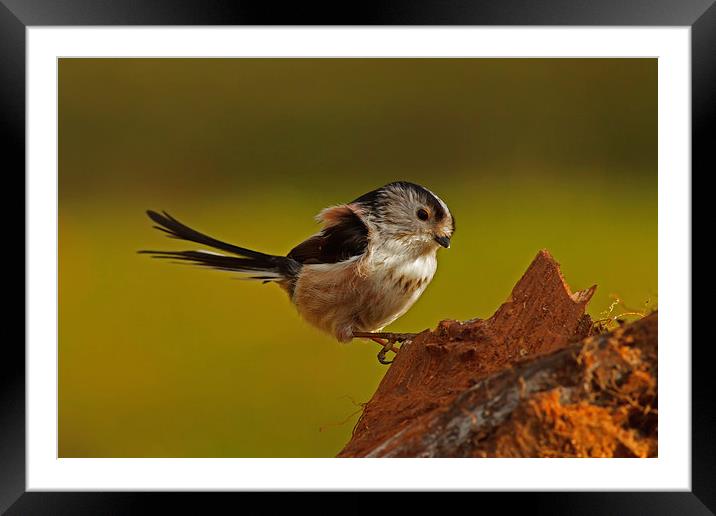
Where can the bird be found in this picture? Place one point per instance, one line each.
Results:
(369, 263)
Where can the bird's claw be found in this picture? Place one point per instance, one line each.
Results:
(398, 338)
(386, 340)
(384, 350)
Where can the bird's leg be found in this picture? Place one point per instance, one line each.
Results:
(391, 337)
(386, 340)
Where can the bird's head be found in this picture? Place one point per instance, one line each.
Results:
(409, 215)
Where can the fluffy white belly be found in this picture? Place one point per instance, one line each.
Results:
(361, 294)
(397, 284)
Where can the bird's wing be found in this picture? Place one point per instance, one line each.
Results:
(343, 236)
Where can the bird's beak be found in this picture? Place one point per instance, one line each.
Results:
(443, 241)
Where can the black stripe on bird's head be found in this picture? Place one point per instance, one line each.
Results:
(408, 211)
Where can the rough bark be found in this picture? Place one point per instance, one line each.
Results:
(527, 382)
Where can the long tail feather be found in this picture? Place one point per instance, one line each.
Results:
(262, 266)
(176, 229)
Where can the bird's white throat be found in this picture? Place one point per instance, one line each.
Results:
(394, 261)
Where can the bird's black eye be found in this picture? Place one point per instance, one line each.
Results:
(422, 214)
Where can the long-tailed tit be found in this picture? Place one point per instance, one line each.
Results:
(371, 261)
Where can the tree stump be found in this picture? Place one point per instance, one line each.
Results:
(529, 381)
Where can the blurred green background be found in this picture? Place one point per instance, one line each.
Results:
(161, 360)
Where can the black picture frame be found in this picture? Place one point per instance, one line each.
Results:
(16, 15)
